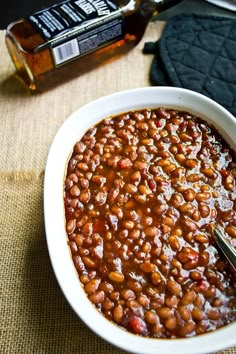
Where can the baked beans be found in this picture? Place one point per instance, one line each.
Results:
(140, 192)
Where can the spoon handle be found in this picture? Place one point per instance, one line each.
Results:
(226, 248)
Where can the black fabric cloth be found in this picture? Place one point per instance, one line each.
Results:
(199, 53)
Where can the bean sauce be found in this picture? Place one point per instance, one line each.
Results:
(141, 190)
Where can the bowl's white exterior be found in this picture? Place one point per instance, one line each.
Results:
(71, 131)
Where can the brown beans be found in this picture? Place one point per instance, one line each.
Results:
(189, 195)
(191, 163)
(204, 258)
(75, 191)
(106, 287)
(79, 147)
(188, 297)
(134, 285)
(140, 165)
(147, 267)
(128, 294)
(184, 313)
(84, 196)
(125, 163)
(83, 166)
(168, 169)
(71, 224)
(141, 189)
(186, 207)
(201, 197)
(151, 317)
(130, 188)
(92, 286)
(173, 287)
(79, 239)
(180, 158)
(174, 243)
(204, 210)
(136, 176)
(140, 198)
(97, 297)
(116, 277)
(163, 113)
(209, 172)
(213, 314)
(171, 323)
(128, 224)
(164, 312)
(159, 209)
(171, 301)
(143, 300)
(201, 238)
(187, 329)
(89, 262)
(194, 177)
(87, 228)
(73, 247)
(144, 189)
(228, 215)
(177, 200)
(189, 224)
(152, 231)
(231, 230)
(156, 278)
(198, 314)
(118, 313)
(107, 304)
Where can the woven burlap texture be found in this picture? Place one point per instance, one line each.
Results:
(35, 317)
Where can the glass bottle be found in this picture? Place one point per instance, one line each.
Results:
(74, 36)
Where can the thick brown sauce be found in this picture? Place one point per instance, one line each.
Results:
(140, 192)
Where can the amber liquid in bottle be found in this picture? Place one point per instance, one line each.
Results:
(36, 67)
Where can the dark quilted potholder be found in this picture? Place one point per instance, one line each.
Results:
(198, 53)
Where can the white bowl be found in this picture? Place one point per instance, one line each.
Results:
(70, 132)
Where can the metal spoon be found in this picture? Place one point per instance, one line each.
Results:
(225, 246)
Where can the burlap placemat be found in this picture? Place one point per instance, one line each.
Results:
(35, 317)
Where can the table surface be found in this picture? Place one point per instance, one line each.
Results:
(35, 317)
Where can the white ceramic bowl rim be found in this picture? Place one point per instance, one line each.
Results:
(71, 131)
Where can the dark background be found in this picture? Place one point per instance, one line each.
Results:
(12, 10)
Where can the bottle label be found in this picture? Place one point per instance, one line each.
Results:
(76, 27)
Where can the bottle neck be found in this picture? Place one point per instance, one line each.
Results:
(148, 8)
(165, 4)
